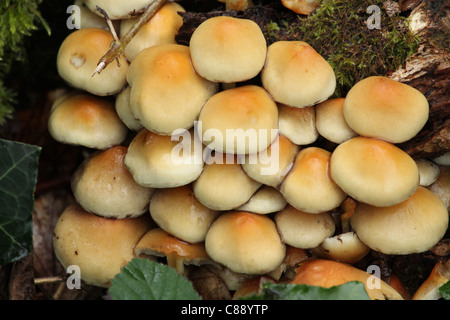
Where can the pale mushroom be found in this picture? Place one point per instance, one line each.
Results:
(123, 109)
(178, 212)
(77, 61)
(80, 118)
(412, 226)
(223, 185)
(272, 165)
(162, 28)
(266, 200)
(383, 108)
(297, 75)
(99, 246)
(245, 242)
(103, 185)
(428, 172)
(308, 186)
(329, 273)
(228, 49)
(166, 92)
(304, 230)
(241, 120)
(158, 161)
(330, 121)
(374, 171)
(298, 124)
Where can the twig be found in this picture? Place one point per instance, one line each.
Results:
(117, 47)
(46, 280)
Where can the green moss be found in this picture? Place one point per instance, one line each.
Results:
(338, 30)
(18, 20)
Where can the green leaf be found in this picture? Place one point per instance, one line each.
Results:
(444, 291)
(353, 290)
(143, 279)
(18, 177)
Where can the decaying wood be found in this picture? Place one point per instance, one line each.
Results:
(428, 70)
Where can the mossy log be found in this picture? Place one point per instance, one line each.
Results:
(427, 69)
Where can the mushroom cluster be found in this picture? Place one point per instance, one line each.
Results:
(231, 155)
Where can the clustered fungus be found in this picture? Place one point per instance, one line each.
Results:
(159, 186)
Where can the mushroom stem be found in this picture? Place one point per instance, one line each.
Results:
(174, 261)
(429, 290)
(109, 23)
(117, 48)
(46, 280)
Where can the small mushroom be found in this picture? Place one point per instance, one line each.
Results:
(443, 160)
(345, 247)
(272, 165)
(298, 124)
(178, 212)
(266, 200)
(123, 109)
(103, 185)
(241, 120)
(99, 246)
(162, 28)
(223, 184)
(305, 7)
(296, 75)
(304, 230)
(178, 253)
(383, 108)
(78, 57)
(245, 243)
(228, 49)
(308, 186)
(441, 187)
(80, 118)
(151, 160)
(328, 273)
(374, 171)
(429, 289)
(330, 121)
(117, 10)
(428, 172)
(166, 92)
(415, 225)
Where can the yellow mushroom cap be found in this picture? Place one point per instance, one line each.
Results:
(83, 119)
(271, 166)
(166, 92)
(298, 124)
(245, 242)
(383, 108)
(308, 186)
(228, 49)
(78, 57)
(266, 200)
(329, 273)
(330, 121)
(162, 28)
(159, 162)
(103, 185)
(179, 213)
(117, 9)
(374, 171)
(304, 230)
(241, 120)
(223, 184)
(412, 226)
(296, 75)
(99, 246)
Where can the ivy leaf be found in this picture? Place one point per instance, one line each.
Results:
(353, 290)
(143, 279)
(18, 177)
(444, 291)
